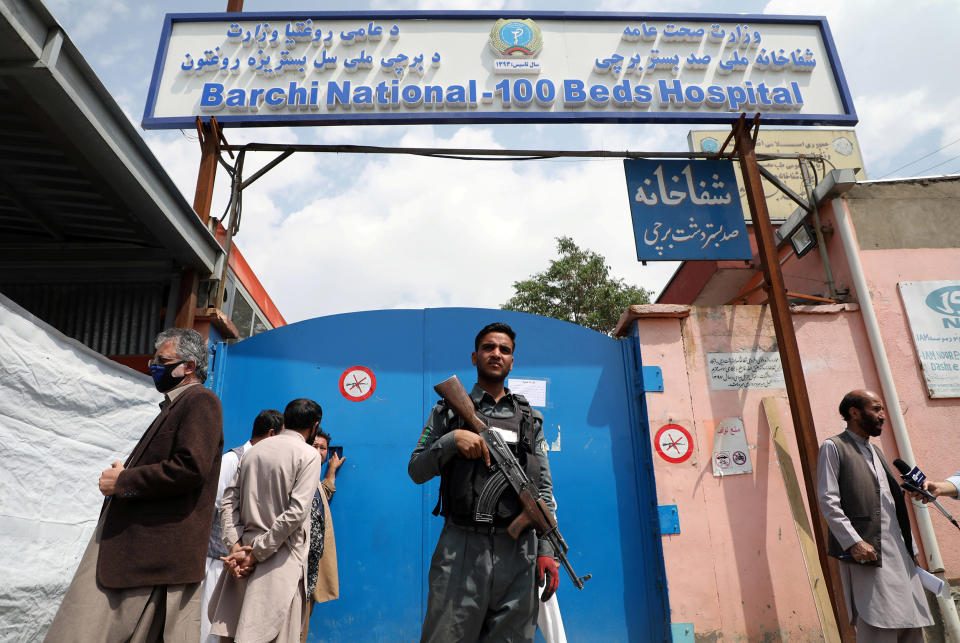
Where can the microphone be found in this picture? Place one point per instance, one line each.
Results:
(913, 479)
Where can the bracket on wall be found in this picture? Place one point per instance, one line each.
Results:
(669, 519)
(652, 379)
(682, 632)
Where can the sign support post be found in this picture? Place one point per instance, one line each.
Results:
(210, 138)
(209, 135)
(796, 384)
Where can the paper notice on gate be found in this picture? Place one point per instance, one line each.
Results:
(534, 390)
(730, 453)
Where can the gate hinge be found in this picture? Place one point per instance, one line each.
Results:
(652, 378)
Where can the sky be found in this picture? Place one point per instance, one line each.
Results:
(330, 234)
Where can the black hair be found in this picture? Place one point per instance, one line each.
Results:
(852, 400)
(495, 327)
(266, 420)
(301, 414)
(323, 434)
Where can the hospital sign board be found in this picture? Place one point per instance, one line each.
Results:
(685, 210)
(258, 69)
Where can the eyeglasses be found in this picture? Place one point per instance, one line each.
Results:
(164, 361)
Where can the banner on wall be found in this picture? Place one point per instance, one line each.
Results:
(933, 310)
(256, 69)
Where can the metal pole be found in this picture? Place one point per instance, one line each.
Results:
(235, 197)
(476, 154)
(817, 229)
(207, 174)
(202, 198)
(789, 354)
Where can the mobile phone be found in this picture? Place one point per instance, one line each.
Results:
(337, 450)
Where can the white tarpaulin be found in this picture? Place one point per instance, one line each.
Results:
(66, 413)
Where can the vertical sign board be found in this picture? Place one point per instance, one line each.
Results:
(933, 310)
(309, 68)
(686, 210)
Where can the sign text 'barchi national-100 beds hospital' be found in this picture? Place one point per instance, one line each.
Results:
(258, 69)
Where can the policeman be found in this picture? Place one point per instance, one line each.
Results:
(483, 583)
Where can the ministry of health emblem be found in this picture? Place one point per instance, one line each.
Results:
(516, 37)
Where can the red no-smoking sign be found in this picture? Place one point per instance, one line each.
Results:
(357, 383)
(673, 443)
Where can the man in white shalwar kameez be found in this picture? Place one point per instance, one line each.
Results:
(869, 528)
(261, 596)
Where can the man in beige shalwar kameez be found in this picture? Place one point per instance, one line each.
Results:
(265, 518)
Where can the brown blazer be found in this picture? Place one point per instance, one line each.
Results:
(157, 525)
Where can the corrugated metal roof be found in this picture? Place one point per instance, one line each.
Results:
(75, 175)
(46, 196)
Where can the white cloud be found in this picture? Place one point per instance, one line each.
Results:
(420, 232)
(896, 66)
(898, 122)
(88, 19)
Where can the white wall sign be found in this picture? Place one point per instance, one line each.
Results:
(745, 370)
(933, 310)
(730, 453)
(493, 67)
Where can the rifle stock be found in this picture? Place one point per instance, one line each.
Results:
(456, 396)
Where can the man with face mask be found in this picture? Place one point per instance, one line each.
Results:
(139, 578)
(261, 596)
(863, 505)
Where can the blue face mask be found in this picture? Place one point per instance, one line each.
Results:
(163, 378)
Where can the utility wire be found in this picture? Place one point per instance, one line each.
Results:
(920, 159)
(921, 173)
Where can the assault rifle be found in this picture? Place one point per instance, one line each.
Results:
(508, 471)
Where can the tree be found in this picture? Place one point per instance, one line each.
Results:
(577, 287)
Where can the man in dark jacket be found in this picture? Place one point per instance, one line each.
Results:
(139, 578)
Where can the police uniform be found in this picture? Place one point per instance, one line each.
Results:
(483, 583)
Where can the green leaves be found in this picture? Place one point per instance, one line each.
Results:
(577, 288)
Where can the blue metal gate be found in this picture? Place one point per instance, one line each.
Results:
(385, 533)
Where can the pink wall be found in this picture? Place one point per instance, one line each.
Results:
(736, 568)
(933, 424)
